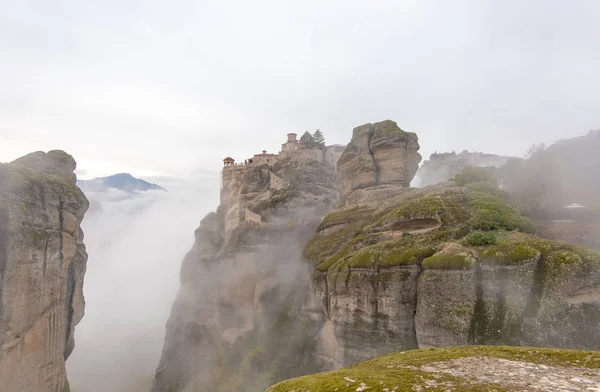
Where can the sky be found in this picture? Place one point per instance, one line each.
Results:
(171, 88)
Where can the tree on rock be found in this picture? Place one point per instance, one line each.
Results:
(319, 139)
(307, 140)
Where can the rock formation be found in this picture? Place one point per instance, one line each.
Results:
(443, 166)
(379, 154)
(42, 263)
(450, 264)
(393, 268)
(239, 322)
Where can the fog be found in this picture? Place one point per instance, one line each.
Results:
(135, 248)
(118, 85)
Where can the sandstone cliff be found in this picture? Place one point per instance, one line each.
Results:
(450, 264)
(42, 263)
(379, 154)
(239, 322)
(443, 166)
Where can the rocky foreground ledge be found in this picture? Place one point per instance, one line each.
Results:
(469, 368)
(42, 263)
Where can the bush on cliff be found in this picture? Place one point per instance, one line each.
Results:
(480, 238)
(470, 175)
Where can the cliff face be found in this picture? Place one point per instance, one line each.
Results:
(444, 166)
(42, 263)
(242, 318)
(450, 264)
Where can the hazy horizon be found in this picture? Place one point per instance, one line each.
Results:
(155, 90)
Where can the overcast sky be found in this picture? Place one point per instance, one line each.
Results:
(156, 87)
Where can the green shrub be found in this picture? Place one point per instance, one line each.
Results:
(493, 213)
(471, 174)
(480, 238)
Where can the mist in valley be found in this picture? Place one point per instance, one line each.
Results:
(135, 246)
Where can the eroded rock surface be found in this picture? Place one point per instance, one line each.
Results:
(243, 317)
(446, 265)
(42, 264)
(379, 154)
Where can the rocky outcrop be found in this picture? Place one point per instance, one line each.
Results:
(473, 368)
(379, 154)
(443, 166)
(445, 265)
(243, 318)
(42, 263)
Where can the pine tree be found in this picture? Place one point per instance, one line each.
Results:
(318, 138)
(307, 140)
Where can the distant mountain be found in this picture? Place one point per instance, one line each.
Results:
(122, 181)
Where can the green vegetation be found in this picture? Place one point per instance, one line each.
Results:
(386, 254)
(450, 207)
(488, 187)
(66, 387)
(480, 238)
(470, 175)
(509, 254)
(346, 215)
(315, 140)
(462, 260)
(406, 256)
(563, 257)
(401, 371)
(493, 213)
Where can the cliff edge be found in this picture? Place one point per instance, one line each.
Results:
(42, 263)
(451, 264)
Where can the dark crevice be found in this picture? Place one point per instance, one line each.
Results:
(375, 302)
(478, 324)
(530, 312)
(327, 305)
(60, 233)
(497, 325)
(414, 343)
(71, 281)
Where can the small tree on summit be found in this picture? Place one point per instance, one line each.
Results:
(319, 139)
(307, 140)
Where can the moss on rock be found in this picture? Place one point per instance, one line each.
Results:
(509, 254)
(451, 261)
(404, 371)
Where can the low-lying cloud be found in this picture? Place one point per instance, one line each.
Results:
(135, 246)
